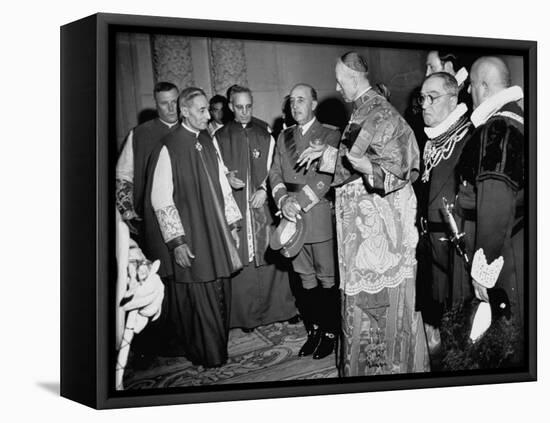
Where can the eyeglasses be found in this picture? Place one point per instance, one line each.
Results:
(429, 99)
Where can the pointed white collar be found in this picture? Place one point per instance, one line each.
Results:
(168, 124)
(493, 104)
(456, 114)
(194, 131)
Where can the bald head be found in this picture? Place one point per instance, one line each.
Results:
(351, 75)
(488, 76)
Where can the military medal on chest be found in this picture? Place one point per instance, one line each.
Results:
(256, 153)
(198, 146)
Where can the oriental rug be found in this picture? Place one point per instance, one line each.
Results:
(269, 353)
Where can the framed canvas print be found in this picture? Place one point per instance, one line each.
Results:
(259, 211)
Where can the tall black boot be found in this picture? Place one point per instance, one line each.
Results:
(329, 322)
(310, 299)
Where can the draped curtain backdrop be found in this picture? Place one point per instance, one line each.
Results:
(172, 60)
(227, 64)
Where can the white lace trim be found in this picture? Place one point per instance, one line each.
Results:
(490, 106)
(434, 155)
(449, 121)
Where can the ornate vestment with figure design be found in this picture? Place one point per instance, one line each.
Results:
(377, 237)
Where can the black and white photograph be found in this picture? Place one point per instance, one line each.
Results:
(275, 211)
(291, 211)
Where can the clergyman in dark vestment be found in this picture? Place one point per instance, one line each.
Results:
(260, 291)
(195, 235)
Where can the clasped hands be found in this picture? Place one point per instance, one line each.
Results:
(290, 208)
(258, 198)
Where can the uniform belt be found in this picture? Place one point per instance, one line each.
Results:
(433, 227)
(290, 187)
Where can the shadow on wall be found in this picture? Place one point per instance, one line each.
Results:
(333, 111)
(146, 115)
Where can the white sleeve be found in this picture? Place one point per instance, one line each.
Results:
(162, 199)
(220, 158)
(125, 163)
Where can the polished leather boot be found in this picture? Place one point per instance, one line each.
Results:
(313, 338)
(326, 345)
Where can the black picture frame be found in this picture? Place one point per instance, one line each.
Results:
(87, 169)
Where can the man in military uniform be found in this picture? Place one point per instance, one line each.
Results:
(491, 190)
(261, 290)
(134, 158)
(300, 194)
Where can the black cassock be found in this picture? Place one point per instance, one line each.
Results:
(197, 297)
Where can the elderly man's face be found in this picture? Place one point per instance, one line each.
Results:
(433, 63)
(443, 103)
(241, 106)
(196, 113)
(302, 104)
(346, 84)
(167, 105)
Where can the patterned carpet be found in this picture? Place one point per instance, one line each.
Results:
(269, 353)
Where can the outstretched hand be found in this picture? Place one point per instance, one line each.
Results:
(235, 182)
(308, 156)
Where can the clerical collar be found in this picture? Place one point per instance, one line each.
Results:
(456, 114)
(306, 126)
(194, 131)
(361, 98)
(493, 104)
(168, 124)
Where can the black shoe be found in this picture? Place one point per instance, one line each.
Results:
(294, 320)
(325, 346)
(247, 330)
(313, 338)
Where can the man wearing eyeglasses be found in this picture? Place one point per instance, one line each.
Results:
(261, 290)
(491, 173)
(448, 129)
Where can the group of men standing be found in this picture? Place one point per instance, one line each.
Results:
(205, 200)
(475, 161)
